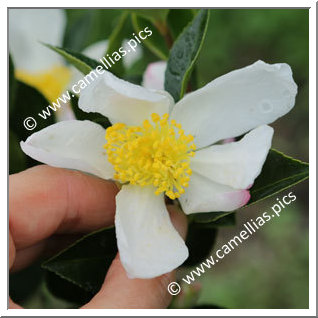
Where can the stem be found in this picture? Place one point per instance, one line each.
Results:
(165, 32)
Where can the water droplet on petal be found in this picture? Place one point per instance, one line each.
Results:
(266, 106)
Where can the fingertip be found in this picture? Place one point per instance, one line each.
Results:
(44, 200)
(119, 291)
(178, 219)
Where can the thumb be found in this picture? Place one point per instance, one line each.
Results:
(119, 291)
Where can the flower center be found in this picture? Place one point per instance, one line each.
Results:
(157, 153)
(50, 83)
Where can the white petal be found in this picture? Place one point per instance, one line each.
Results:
(65, 112)
(96, 50)
(29, 26)
(148, 243)
(154, 75)
(204, 195)
(237, 102)
(235, 164)
(71, 144)
(122, 101)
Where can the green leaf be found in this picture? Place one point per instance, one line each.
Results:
(63, 289)
(200, 241)
(25, 282)
(115, 41)
(279, 173)
(152, 15)
(17, 158)
(184, 54)
(83, 63)
(28, 102)
(221, 219)
(12, 86)
(86, 262)
(155, 42)
(178, 19)
(209, 217)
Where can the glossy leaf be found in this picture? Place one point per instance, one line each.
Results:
(200, 241)
(222, 219)
(279, 173)
(184, 54)
(86, 262)
(63, 289)
(83, 63)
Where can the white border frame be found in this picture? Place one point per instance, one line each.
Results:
(312, 155)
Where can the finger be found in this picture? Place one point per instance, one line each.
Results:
(13, 305)
(44, 200)
(11, 251)
(118, 291)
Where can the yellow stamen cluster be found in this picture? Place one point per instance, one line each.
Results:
(157, 153)
(51, 83)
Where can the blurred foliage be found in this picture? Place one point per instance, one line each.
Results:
(271, 271)
(239, 37)
(85, 27)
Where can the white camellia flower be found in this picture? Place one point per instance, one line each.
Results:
(156, 148)
(40, 67)
(34, 63)
(154, 75)
(97, 50)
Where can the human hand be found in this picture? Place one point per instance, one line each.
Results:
(44, 201)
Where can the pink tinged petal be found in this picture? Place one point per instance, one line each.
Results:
(237, 102)
(204, 195)
(71, 144)
(228, 140)
(122, 101)
(235, 164)
(154, 75)
(148, 244)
